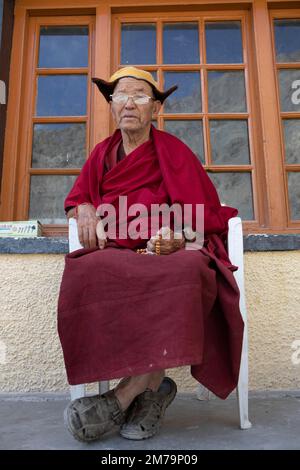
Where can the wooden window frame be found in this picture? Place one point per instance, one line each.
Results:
(274, 15)
(269, 190)
(32, 74)
(5, 51)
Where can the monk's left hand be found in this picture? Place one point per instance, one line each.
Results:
(168, 243)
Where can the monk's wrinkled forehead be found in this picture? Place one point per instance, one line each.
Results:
(132, 85)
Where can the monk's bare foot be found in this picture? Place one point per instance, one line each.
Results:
(129, 388)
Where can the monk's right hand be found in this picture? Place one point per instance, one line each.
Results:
(87, 223)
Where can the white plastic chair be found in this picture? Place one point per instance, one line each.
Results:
(236, 255)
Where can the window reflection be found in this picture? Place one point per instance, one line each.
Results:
(226, 92)
(138, 43)
(154, 74)
(223, 42)
(180, 43)
(187, 99)
(235, 190)
(294, 194)
(63, 46)
(289, 82)
(61, 95)
(287, 40)
(190, 132)
(229, 142)
(291, 129)
(58, 145)
(1, 19)
(46, 195)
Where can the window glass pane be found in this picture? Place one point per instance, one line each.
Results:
(294, 194)
(223, 42)
(181, 43)
(138, 43)
(190, 132)
(58, 145)
(187, 99)
(61, 95)
(154, 74)
(229, 142)
(226, 92)
(235, 190)
(289, 82)
(1, 18)
(287, 40)
(291, 129)
(63, 46)
(47, 195)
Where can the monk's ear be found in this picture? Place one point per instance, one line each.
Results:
(156, 106)
(111, 108)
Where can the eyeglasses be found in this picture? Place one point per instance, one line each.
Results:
(122, 98)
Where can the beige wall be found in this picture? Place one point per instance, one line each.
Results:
(30, 354)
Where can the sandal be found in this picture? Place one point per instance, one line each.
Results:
(88, 418)
(145, 414)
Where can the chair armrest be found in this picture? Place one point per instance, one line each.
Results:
(235, 241)
(236, 256)
(74, 243)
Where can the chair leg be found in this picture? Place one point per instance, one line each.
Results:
(242, 395)
(242, 388)
(77, 391)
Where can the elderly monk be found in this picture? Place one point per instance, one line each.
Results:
(131, 307)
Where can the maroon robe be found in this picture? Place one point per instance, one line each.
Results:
(121, 313)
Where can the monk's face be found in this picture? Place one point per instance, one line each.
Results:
(134, 117)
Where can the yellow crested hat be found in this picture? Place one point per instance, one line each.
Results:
(107, 87)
